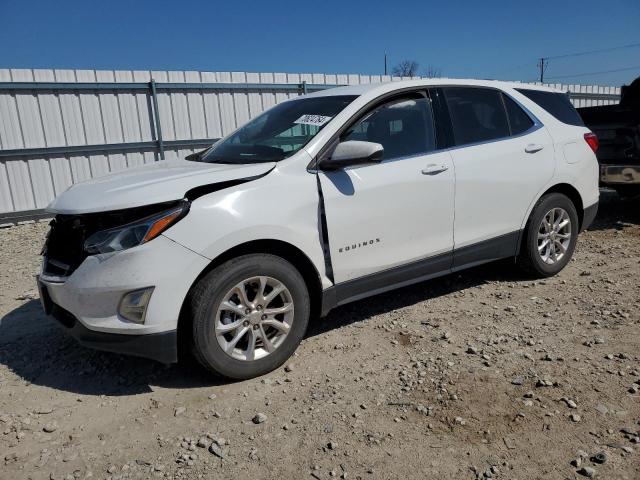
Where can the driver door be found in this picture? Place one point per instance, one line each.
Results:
(391, 222)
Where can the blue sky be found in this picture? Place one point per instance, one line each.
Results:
(482, 39)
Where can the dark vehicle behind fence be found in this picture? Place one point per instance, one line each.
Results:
(618, 130)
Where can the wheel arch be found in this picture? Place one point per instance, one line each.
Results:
(280, 248)
(566, 189)
(573, 194)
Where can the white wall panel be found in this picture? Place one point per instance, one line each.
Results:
(10, 131)
(60, 174)
(211, 106)
(80, 168)
(195, 106)
(144, 107)
(227, 108)
(41, 181)
(164, 106)
(240, 102)
(6, 200)
(254, 98)
(128, 110)
(50, 112)
(20, 185)
(179, 109)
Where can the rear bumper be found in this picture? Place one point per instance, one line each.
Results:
(620, 174)
(589, 216)
(162, 347)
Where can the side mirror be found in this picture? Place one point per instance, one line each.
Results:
(353, 152)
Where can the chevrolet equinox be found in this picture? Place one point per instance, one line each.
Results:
(322, 200)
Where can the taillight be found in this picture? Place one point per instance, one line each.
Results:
(592, 139)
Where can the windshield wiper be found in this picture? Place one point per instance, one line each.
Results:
(196, 156)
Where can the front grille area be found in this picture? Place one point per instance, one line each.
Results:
(64, 248)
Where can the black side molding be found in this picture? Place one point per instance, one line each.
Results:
(386, 280)
(493, 249)
(486, 251)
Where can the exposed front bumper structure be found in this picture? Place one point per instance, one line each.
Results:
(86, 302)
(620, 174)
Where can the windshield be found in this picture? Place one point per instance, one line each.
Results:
(279, 132)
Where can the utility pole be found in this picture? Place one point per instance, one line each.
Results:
(543, 67)
(385, 63)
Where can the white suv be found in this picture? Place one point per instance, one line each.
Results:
(321, 200)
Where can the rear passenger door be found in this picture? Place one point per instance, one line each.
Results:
(502, 159)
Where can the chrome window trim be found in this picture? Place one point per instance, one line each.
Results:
(537, 124)
(494, 140)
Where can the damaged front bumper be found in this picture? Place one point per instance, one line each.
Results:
(161, 346)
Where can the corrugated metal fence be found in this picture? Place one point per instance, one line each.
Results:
(59, 127)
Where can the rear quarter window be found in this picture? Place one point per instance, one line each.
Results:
(519, 121)
(557, 104)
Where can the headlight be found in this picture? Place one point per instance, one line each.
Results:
(135, 233)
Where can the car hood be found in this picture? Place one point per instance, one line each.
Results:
(159, 182)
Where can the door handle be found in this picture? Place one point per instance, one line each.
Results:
(433, 169)
(533, 148)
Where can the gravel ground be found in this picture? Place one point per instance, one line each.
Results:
(484, 374)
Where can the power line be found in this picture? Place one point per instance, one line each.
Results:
(543, 62)
(590, 52)
(626, 69)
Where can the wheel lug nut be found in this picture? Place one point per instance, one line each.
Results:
(247, 311)
(255, 327)
(259, 307)
(245, 323)
(263, 317)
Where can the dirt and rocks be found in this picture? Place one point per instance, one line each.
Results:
(483, 374)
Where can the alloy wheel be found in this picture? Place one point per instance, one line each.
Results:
(254, 318)
(554, 235)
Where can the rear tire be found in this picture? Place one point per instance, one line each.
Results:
(222, 314)
(550, 236)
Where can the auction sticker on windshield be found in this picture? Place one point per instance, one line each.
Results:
(309, 119)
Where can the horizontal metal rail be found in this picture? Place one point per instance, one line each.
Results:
(70, 150)
(593, 96)
(13, 218)
(161, 87)
(217, 86)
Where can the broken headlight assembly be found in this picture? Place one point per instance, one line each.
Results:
(134, 233)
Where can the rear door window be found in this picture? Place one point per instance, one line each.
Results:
(519, 120)
(477, 114)
(557, 104)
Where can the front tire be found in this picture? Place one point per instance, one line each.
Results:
(249, 315)
(550, 236)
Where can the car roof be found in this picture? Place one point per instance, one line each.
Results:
(375, 89)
